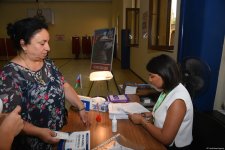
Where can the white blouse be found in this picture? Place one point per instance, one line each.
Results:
(184, 135)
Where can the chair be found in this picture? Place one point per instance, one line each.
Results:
(208, 130)
(86, 45)
(10, 47)
(100, 76)
(3, 51)
(76, 46)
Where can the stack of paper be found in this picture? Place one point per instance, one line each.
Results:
(96, 103)
(130, 89)
(121, 110)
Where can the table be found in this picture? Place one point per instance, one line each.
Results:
(135, 136)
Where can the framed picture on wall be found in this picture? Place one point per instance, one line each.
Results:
(102, 49)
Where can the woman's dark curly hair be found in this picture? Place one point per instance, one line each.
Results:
(167, 69)
(24, 29)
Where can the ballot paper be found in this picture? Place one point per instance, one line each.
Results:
(121, 110)
(61, 135)
(77, 141)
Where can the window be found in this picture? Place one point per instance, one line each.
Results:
(162, 20)
(132, 24)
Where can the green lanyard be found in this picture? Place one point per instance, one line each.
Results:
(161, 98)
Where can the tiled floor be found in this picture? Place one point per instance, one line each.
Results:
(72, 67)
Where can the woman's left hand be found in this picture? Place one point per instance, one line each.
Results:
(48, 136)
(84, 117)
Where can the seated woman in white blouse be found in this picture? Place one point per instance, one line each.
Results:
(172, 115)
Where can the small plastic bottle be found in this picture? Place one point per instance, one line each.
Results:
(114, 124)
(1, 106)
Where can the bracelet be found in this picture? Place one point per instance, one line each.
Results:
(81, 109)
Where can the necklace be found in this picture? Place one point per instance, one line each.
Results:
(37, 75)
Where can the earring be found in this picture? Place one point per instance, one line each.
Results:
(24, 51)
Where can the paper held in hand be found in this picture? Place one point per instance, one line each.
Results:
(121, 110)
(75, 141)
(61, 135)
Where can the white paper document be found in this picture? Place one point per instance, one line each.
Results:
(77, 141)
(130, 90)
(61, 135)
(121, 110)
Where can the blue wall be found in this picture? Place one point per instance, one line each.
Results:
(202, 31)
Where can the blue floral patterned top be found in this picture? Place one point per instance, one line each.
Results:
(40, 94)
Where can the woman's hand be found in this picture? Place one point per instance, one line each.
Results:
(136, 118)
(45, 134)
(48, 136)
(10, 127)
(72, 97)
(13, 122)
(147, 114)
(84, 117)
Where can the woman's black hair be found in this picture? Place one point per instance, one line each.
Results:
(24, 29)
(167, 69)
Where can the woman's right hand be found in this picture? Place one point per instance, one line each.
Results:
(84, 118)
